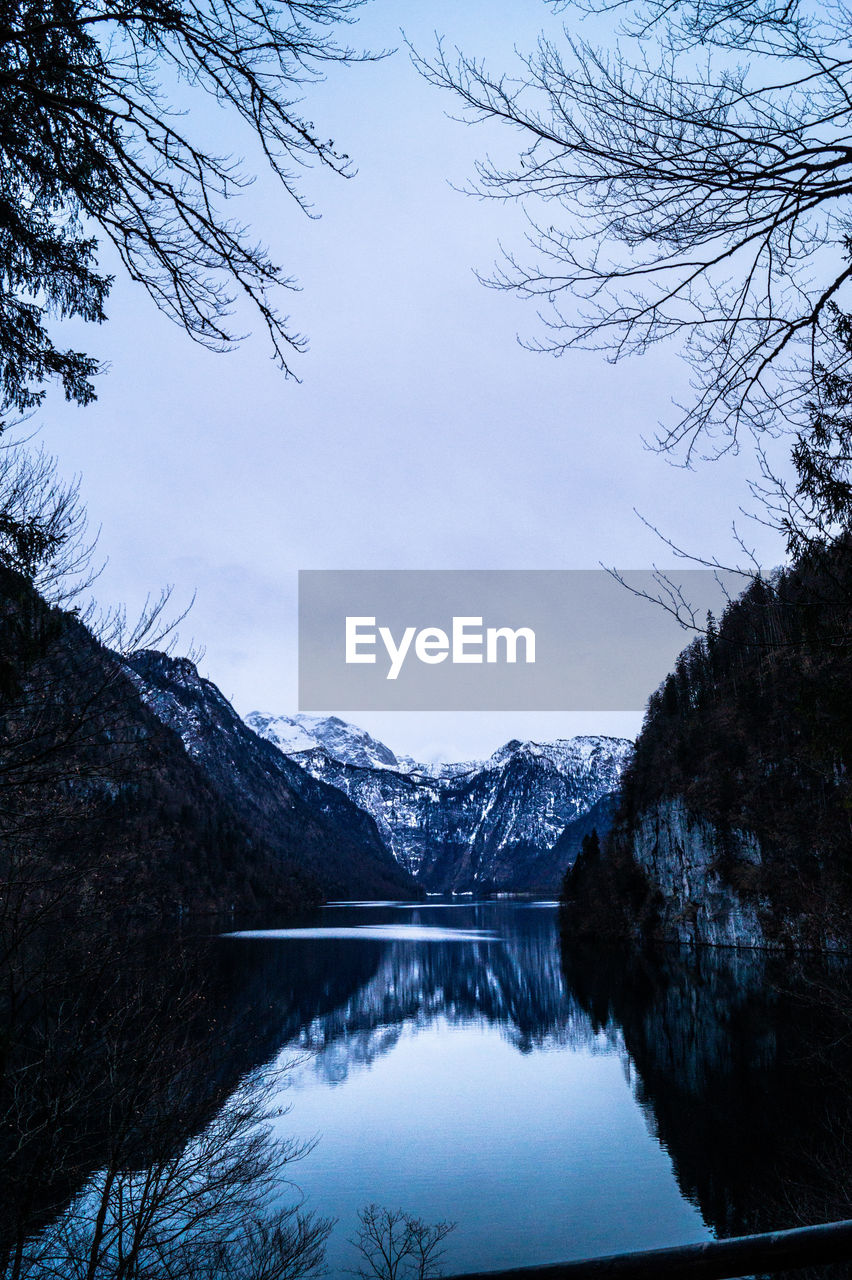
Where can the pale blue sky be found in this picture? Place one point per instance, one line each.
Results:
(422, 435)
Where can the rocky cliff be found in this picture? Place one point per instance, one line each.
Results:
(297, 816)
(512, 823)
(690, 864)
(734, 823)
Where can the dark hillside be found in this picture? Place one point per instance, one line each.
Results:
(745, 752)
(102, 803)
(295, 814)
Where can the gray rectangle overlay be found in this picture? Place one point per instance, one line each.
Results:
(597, 643)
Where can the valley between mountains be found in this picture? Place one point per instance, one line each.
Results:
(512, 823)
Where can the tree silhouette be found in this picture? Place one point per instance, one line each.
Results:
(95, 139)
(395, 1245)
(689, 183)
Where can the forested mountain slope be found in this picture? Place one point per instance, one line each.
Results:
(102, 803)
(735, 824)
(298, 816)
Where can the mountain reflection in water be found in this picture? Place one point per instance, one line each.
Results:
(463, 1062)
(498, 965)
(667, 1097)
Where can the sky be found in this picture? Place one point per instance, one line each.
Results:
(421, 433)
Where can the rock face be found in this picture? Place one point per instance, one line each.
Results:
(734, 823)
(721, 887)
(512, 823)
(689, 862)
(296, 815)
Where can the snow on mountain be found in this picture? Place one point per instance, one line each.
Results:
(348, 744)
(503, 823)
(288, 810)
(341, 741)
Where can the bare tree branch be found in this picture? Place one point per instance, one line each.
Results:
(690, 184)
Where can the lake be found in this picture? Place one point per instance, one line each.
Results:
(460, 1063)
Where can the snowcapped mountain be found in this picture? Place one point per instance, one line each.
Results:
(512, 822)
(293, 814)
(341, 741)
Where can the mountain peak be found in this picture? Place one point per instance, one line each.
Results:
(341, 741)
(350, 745)
(511, 822)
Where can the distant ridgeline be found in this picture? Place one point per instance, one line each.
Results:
(512, 823)
(132, 782)
(735, 823)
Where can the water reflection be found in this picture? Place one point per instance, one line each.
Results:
(517, 986)
(743, 1063)
(737, 1063)
(462, 1063)
(466, 1082)
(131, 1106)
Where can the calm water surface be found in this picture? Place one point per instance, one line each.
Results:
(459, 1061)
(450, 1069)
